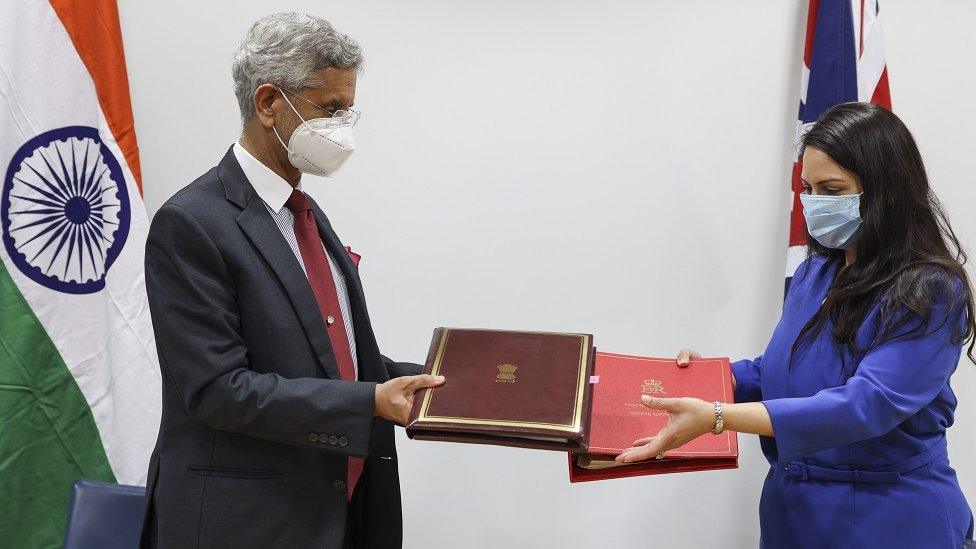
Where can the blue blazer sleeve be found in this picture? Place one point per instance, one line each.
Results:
(747, 385)
(893, 382)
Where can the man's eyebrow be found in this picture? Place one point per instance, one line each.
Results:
(332, 105)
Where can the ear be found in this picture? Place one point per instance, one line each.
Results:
(265, 97)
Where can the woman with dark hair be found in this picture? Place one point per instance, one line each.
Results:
(851, 398)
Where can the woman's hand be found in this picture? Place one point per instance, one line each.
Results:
(688, 419)
(685, 356)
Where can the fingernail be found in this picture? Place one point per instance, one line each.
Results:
(646, 399)
(441, 379)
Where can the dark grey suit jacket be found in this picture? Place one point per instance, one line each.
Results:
(257, 425)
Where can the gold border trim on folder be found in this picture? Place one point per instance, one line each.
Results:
(575, 427)
(722, 363)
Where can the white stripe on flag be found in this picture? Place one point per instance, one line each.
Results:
(871, 63)
(794, 256)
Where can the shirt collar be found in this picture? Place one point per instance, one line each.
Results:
(271, 187)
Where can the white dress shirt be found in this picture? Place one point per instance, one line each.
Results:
(274, 191)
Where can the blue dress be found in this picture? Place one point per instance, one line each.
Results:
(857, 460)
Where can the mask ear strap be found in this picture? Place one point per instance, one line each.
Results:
(279, 139)
(285, 96)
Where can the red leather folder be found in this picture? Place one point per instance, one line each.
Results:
(618, 417)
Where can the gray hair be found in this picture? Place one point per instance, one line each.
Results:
(284, 49)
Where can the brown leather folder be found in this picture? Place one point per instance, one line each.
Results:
(509, 388)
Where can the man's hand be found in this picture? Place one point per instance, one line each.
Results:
(394, 399)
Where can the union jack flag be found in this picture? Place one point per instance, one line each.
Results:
(843, 61)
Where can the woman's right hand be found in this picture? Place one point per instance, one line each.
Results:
(685, 356)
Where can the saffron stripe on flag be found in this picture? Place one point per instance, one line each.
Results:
(94, 28)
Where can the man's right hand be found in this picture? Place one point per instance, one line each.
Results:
(394, 399)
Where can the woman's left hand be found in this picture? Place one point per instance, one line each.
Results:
(688, 419)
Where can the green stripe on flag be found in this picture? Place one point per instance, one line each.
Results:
(48, 437)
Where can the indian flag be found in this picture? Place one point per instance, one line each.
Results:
(79, 380)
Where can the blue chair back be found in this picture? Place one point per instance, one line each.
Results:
(102, 515)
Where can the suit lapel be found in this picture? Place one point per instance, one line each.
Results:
(370, 363)
(261, 230)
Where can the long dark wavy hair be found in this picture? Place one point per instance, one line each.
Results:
(907, 255)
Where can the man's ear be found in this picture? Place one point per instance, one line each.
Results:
(264, 104)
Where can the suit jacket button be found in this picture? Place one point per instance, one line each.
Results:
(333, 440)
(323, 437)
(343, 441)
(312, 437)
(339, 486)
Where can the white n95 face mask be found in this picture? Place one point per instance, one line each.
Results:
(319, 146)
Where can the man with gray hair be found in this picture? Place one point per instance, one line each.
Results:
(278, 408)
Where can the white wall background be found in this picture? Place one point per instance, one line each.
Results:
(564, 165)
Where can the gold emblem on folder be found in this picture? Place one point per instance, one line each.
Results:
(506, 373)
(652, 386)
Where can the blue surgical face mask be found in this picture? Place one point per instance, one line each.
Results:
(833, 220)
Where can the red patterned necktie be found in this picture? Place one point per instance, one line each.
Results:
(323, 286)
